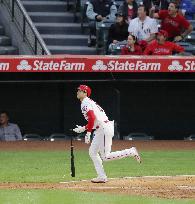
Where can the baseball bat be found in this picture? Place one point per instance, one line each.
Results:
(72, 158)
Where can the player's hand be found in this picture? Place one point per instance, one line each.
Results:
(79, 129)
(87, 138)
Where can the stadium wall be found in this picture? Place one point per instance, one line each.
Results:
(164, 109)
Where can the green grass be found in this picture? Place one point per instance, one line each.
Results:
(54, 166)
(68, 197)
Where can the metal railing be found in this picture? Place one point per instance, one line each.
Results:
(26, 27)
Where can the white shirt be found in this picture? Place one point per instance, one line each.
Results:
(143, 29)
(88, 104)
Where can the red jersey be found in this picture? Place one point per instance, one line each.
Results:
(173, 25)
(126, 50)
(130, 13)
(154, 48)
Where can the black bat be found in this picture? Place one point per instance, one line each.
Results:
(72, 158)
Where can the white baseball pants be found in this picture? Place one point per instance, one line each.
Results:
(100, 149)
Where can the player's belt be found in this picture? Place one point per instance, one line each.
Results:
(106, 121)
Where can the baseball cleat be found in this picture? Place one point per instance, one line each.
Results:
(99, 180)
(136, 155)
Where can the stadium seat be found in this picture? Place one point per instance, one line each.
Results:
(102, 29)
(138, 136)
(58, 137)
(115, 49)
(191, 38)
(190, 138)
(32, 137)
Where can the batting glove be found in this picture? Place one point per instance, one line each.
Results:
(79, 129)
(87, 138)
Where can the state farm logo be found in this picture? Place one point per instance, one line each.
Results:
(175, 66)
(50, 65)
(126, 65)
(24, 65)
(99, 66)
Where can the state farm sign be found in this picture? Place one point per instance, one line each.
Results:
(78, 63)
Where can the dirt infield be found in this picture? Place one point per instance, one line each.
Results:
(79, 145)
(163, 187)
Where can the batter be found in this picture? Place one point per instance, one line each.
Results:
(100, 149)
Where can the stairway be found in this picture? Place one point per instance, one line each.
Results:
(56, 26)
(6, 47)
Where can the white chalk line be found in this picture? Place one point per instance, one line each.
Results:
(129, 177)
(186, 187)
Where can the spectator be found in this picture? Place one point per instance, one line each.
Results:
(161, 46)
(119, 30)
(129, 9)
(98, 11)
(174, 23)
(143, 27)
(132, 47)
(157, 4)
(8, 131)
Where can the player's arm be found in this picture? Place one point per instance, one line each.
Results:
(89, 126)
(91, 120)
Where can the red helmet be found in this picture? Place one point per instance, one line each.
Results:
(163, 32)
(85, 88)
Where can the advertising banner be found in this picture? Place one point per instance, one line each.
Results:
(78, 63)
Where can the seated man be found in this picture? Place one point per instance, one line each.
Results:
(143, 27)
(99, 11)
(174, 23)
(8, 131)
(161, 46)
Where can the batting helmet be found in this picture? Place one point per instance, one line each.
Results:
(85, 88)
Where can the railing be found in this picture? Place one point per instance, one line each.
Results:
(26, 27)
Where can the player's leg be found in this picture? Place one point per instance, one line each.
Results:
(106, 143)
(97, 161)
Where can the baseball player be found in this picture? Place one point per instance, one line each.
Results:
(100, 149)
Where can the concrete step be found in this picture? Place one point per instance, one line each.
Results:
(190, 49)
(58, 28)
(65, 40)
(8, 50)
(75, 50)
(46, 17)
(4, 40)
(41, 6)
